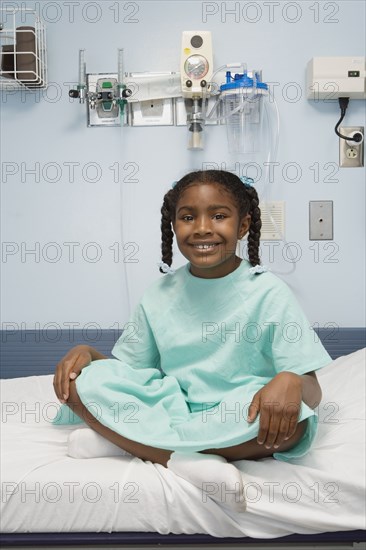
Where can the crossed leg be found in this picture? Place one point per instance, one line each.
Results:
(250, 450)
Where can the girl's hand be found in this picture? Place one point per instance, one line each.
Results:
(69, 368)
(278, 404)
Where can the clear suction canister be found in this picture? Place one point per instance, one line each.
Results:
(242, 99)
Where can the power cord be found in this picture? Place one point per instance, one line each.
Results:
(343, 104)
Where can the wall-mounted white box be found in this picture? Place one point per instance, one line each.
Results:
(273, 220)
(328, 78)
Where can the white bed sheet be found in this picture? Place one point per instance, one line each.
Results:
(44, 490)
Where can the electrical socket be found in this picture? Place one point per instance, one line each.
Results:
(351, 154)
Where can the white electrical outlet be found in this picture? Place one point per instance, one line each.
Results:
(351, 153)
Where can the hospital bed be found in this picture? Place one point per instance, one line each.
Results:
(54, 501)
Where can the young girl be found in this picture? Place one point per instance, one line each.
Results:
(218, 361)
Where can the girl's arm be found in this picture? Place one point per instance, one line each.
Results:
(70, 367)
(95, 354)
(278, 404)
(311, 390)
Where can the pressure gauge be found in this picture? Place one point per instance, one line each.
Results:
(196, 64)
(196, 67)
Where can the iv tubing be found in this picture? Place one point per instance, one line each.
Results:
(122, 202)
(250, 96)
(242, 66)
(266, 180)
(273, 139)
(272, 154)
(233, 112)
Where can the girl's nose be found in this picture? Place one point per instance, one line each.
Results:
(203, 225)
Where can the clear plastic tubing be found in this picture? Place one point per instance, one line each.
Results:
(240, 66)
(250, 96)
(273, 149)
(272, 155)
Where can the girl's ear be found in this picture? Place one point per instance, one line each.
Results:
(244, 226)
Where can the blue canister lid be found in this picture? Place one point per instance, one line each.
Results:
(242, 81)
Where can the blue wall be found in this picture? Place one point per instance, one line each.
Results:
(67, 206)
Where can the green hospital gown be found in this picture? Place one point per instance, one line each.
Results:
(193, 355)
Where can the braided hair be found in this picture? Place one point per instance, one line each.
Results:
(244, 195)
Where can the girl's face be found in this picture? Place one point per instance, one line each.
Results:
(207, 228)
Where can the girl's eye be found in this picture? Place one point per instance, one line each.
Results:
(189, 218)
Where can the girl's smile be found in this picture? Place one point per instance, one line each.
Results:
(207, 228)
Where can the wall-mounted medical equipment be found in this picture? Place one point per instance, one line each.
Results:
(196, 63)
(104, 93)
(196, 73)
(333, 77)
(242, 97)
(340, 78)
(23, 62)
(196, 96)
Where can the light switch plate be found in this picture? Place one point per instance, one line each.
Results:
(321, 220)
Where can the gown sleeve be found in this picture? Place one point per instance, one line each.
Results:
(137, 346)
(292, 344)
(295, 347)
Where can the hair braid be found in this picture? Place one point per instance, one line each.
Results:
(167, 234)
(255, 227)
